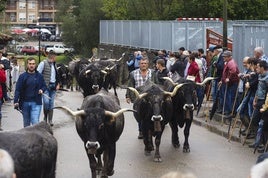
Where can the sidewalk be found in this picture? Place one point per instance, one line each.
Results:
(219, 124)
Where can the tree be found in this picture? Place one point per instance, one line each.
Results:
(2, 5)
(81, 24)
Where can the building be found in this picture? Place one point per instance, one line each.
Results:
(25, 13)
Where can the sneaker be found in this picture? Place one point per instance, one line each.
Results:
(140, 136)
(252, 145)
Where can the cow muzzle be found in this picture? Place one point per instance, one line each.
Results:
(157, 118)
(188, 107)
(92, 147)
(95, 87)
(157, 122)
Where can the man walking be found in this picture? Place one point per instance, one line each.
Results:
(49, 71)
(28, 93)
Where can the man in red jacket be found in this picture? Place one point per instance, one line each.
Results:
(229, 81)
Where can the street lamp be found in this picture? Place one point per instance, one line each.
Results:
(39, 39)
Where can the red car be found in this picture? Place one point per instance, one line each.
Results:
(27, 50)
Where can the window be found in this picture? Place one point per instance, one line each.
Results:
(22, 4)
(22, 16)
(31, 4)
(31, 17)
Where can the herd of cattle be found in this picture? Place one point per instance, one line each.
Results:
(100, 121)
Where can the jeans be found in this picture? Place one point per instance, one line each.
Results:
(31, 113)
(230, 98)
(49, 102)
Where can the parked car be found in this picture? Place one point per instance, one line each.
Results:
(22, 39)
(18, 48)
(58, 38)
(29, 50)
(52, 38)
(59, 49)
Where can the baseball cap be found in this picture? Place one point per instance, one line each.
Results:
(227, 53)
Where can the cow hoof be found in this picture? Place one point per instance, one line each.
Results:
(110, 173)
(186, 149)
(176, 145)
(147, 153)
(157, 159)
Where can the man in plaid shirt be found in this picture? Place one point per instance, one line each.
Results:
(138, 78)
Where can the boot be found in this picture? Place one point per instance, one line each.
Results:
(1, 124)
(45, 114)
(50, 116)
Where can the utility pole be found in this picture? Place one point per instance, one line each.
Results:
(224, 45)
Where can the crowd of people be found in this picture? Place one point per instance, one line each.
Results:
(9, 73)
(235, 93)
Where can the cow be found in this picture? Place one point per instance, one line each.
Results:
(64, 75)
(75, 67)
(33, 149)
(183, 106)
(99, 74)
(99, 124)
(154, 110)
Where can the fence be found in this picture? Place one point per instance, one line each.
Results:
(171, 35)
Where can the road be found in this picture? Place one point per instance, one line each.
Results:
(211, 156)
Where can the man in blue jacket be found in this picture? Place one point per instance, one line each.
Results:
(28, 93)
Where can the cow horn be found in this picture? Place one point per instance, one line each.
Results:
(69, 111)
(104, 72)
(110, 68)
(174, 90)
(137, 93)
(87, 71)
(169, 79)
(205, 81)
(116, 114)
(120, 58)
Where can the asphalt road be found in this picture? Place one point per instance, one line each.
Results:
(211, 156)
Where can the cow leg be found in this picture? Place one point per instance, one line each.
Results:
(174, 137)
(147, 140)
(108, 159)
(92, 164)
(157, 156)
(186, 146)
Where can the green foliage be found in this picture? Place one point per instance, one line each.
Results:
(81, 24)
(2, 5)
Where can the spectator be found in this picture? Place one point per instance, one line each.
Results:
(177, 69)
(259, 99)
(28, 93)
(193, 70)
(171, 60)
(5, 61)
(243, 95)
(15, 72)
(138, 78)
(2, 80)
(202, 57)
(7, 169)
(162, 71)
(229, 81)
(218, 64)
(259, 54)
(49, 71)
